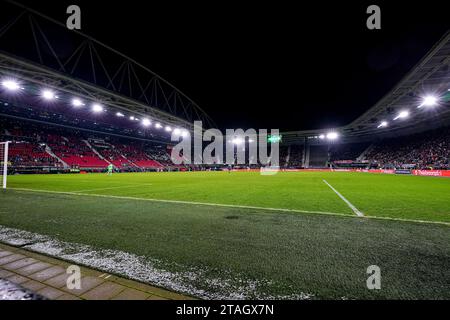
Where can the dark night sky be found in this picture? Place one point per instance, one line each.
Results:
(268, 65)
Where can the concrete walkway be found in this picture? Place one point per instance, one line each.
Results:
(47, 277)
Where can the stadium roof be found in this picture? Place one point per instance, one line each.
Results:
(430, 77)
(77, 64)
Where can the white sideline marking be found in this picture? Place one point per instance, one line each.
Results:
(178, 201)
(233, 206)
(118, 187)
(351, 206)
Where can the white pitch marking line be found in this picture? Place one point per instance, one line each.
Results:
(351, 206)
(178, 201)
(231, 206)
(118, 187)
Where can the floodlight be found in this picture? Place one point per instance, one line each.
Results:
(120, 114)
(168, 129)
(403, 114)
(237, 140)
(11, 85)
(97, 108)
(428, 101)
(383, 124)
(77, 102)
(322, 136)
(184, 133)
(158, 125)
(132, 118)
(332, 136)
(146, 122)
(48, 95)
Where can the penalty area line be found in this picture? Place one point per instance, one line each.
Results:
(179, 202)
(349, 204)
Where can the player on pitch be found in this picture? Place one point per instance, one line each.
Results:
(110, 169)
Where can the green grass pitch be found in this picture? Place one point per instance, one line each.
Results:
(286, 234)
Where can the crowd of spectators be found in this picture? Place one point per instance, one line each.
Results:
(36, 144)
(29, 154)
(295, 159)
(348, 151)
(429, 150)
(76, 148)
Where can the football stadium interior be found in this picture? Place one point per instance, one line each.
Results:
(373, 192)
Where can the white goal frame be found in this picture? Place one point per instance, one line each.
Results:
(5, 162)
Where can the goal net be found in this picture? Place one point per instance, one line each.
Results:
(4, 163)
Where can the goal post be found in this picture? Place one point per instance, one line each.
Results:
(4, 146)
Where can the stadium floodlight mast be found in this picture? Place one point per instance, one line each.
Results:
(383, 124)
(428, 101)
(11, 85)
(403, 114)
